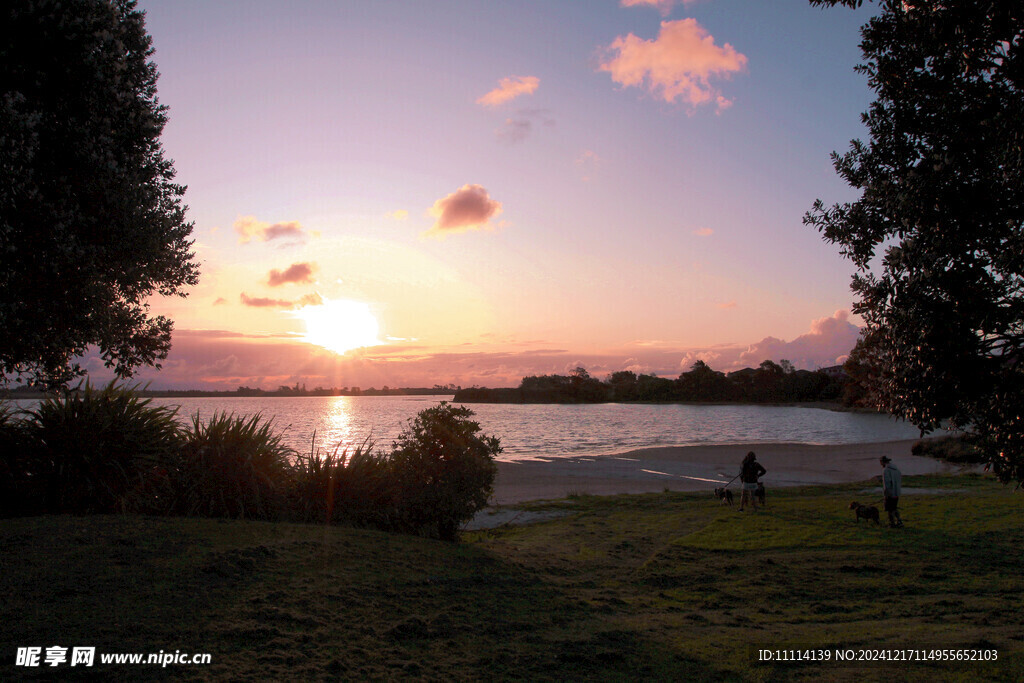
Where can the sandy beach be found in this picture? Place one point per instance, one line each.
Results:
(702, 468)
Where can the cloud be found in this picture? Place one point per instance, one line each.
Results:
(468, 208)
(313, 299)
(218, 359)
(248, 229)
(679, 64)
(515, 130)
(297, 273)
(263, 302)
(509, 88)
(397, 215)
(220, 301)
(728, 304)
(703, 232)
(518, 128)
(829, 339)
(663, 6)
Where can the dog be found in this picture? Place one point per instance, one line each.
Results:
(724, 495)
(869, 512)
(760, 493)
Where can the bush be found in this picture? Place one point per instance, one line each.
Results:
(13, 481)
(350, 487)
(956, 449)
(232, 467)
(442, 470)
(96, 450)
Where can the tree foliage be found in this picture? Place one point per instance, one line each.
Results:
(937, 235)
(443, 470)
(91, 222)
(770, 383)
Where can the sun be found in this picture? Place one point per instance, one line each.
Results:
(339, 326)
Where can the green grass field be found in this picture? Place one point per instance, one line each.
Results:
(659, 587)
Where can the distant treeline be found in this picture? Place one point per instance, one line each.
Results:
(297, 390)
(770, 382)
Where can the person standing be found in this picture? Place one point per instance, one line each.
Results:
(750, 472)
(891, 490)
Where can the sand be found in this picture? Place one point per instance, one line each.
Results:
(702, 468)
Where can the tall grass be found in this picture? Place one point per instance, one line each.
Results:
(96, 450)
(12, 465)
(347, 486)
(233, 467)
(108, 450)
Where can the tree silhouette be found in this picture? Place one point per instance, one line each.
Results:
(937, 235)
(91, 222)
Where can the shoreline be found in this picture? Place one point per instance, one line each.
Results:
(703, 468)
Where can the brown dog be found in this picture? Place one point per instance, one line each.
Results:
(868, 512)
(761, 495)
(724, 495)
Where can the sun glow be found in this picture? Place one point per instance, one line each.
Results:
(339, 326)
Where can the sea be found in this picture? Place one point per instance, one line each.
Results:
(542, 431)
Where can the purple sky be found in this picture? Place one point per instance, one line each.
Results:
(478, 191)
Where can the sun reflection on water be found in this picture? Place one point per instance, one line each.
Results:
(339, 430)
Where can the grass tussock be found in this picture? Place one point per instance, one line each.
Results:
(344, 486)
(232, 466)
(92, 451)
(107, 450)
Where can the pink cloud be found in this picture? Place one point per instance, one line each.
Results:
(829, 339)
(663, 6)
(217, 359)
(728, 304)
(679, 63)
(468, 208)
(296, 273)
(313, 299)
(509, 88)
(263, 302)
(703, 232)
(248, 229)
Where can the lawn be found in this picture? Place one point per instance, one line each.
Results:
(662, 587)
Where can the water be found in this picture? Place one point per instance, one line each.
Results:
(531, 431)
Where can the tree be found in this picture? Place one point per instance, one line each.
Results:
(443, 470)
(91, 222)
(702, 383)
(937, 235)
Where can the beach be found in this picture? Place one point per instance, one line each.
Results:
(703, 468)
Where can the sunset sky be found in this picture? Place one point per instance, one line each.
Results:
(480, 190)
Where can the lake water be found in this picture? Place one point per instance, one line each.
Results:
(531, 431)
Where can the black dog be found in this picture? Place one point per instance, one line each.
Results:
(760, 494)
(868, 512)
(724, 495)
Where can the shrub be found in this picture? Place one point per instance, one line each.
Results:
(97, 450)
(958, 449)
(13, 480)
(350, 487)
(232, 467)
(442, 470)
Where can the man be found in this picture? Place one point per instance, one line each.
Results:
(750, 472)
(891, 490)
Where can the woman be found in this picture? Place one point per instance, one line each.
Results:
(750, 472)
